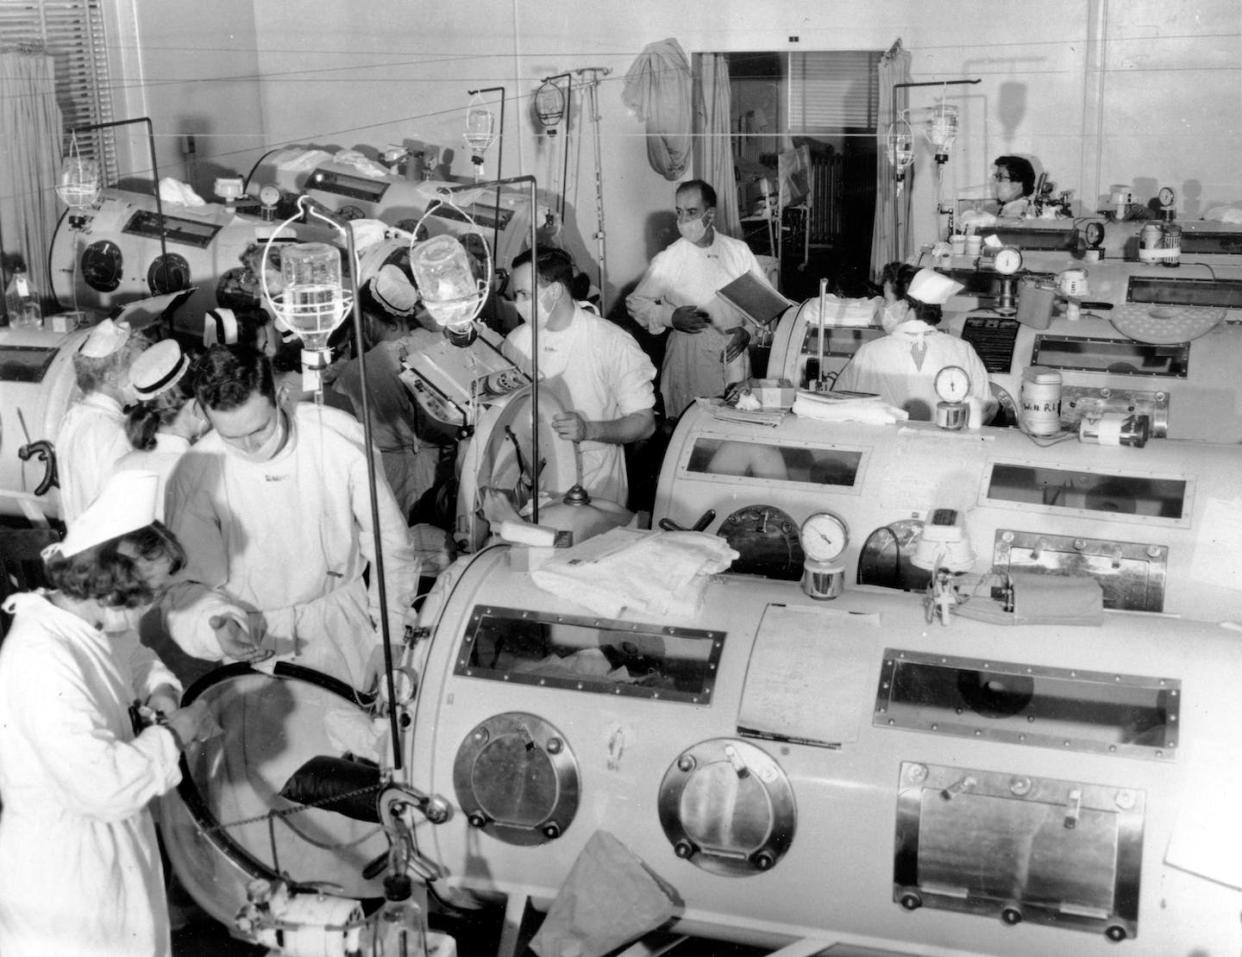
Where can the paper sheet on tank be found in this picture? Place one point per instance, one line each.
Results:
(811, 675)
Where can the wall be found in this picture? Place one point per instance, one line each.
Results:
(1143, 93)
(1099, 91)
(192, 67)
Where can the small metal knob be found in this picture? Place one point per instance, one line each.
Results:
(1011, 916)
(437, 810)
(551, 830)
(1116, 933)
(477, 819)
(684, 849)
(911, 901)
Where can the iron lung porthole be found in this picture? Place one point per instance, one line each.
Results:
(101, 266)
(168, 273)
(727, 806)
(517, 779)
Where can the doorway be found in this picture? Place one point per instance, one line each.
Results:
(804, 153)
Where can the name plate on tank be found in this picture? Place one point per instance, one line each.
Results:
(586, 653)
(1064, 853)
(1109, 713)
(1132, 575)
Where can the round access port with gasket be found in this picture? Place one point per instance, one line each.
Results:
(727, 806)
(517, 779)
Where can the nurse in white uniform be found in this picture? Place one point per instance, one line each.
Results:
(79, 867)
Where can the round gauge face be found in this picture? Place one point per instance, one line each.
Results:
(269, 195)
(952, 384)
(1008, 261)
(1166, 196)
(1095, 233)
(824, 537)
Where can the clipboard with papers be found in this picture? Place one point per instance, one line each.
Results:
(758, 302)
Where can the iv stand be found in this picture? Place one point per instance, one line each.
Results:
(902, 86)
(569, 112)
(591, 83)
(500, 157)
(310, 209)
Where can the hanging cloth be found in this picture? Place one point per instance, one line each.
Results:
(30, 139)
(658, 89)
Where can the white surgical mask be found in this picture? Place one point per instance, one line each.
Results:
(1007, 190)
(894, 314)
(121, 619)
(693, 230)
(545, 309)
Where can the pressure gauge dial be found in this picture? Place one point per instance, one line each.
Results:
(1094, 233)
(952, 384)
(824, 537)
(269, 195)
(1166, 196)
(1008, 260)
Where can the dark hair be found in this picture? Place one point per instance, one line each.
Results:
(926, 311)
(552, 265)
(143, 419)
(1020, 170)
(101, 573)
(225, 377)
(706, 192)
(899, 275)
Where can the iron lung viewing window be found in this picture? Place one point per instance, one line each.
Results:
(584, 653)
(1097, 492)
(1112, 356)
(781, 463)
(1125, 715)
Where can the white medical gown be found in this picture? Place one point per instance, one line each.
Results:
(80, 870)
(291, 537)
(901, 368)
(596, 368)
(689, 275)
(90, 441)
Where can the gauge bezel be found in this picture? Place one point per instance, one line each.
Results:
(811, 546)
(1006, 253)
(941, 388)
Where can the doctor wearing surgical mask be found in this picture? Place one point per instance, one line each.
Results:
(706, 348)
(594, 368)
(1013, 184)
(80, 869)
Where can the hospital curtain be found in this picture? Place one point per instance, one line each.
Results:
(890, 238)
(30, 143)
(713, 154)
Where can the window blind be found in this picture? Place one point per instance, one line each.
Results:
(74, 34)
(833, 90)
